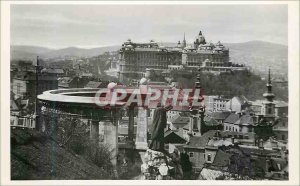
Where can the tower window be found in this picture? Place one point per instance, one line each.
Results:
(270, 110)
(209, 157)
(191, 154)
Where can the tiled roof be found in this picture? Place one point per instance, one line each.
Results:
(232, 118)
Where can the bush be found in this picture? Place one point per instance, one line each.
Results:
(73, 134)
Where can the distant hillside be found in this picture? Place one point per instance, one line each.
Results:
(79, 52)
(30, 52)
(256, 54)
(260, 55)
(27, 52)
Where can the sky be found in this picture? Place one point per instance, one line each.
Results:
(87, 26)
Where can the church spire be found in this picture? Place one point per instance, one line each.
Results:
(200, 33)
(269, 80)
(269, 94)
(184, 41)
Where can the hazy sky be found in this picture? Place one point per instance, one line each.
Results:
(58, 26)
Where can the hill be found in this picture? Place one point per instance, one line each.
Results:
(30, 52)
(260, 55)
(27, 52)
(35, 156)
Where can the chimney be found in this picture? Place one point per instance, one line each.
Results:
(190, 126)
(240, 114)
(261, 144)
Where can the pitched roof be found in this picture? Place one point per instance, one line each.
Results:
(93, 84)
(281, 104)
(232, 118)
(245, 120)
(186, 127)
(241, 99)
(173, 137)
(255, 150)
(179, 121)
(201, 142)
(222, 159)
(220, 115)
(210, 121)
(14, 106)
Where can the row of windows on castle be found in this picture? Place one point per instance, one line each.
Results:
(150, 55)
(167, 58)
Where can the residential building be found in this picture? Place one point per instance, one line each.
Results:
(280, 129)
(215, 103)
(229, 123)
(237, 104)
(24, 84)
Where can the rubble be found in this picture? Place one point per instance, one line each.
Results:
(158, 166)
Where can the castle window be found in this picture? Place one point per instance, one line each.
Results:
(191, 154)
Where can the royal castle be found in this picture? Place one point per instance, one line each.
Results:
(135, 58)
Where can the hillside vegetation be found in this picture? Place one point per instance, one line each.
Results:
(232, 84)
(35, 156)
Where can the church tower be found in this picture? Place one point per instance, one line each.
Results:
(184, 41)
(268, 104)
(197, 114)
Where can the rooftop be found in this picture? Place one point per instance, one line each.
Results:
(201, 142)
(232, 118)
